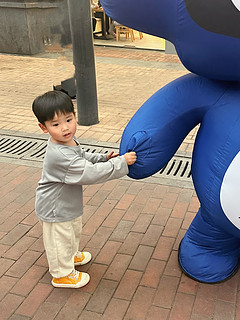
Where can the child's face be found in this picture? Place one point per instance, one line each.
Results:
(61, 128)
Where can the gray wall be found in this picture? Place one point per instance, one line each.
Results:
(27, 25)
(169, 48)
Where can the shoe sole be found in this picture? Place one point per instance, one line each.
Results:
(85, 261)
(73, 286)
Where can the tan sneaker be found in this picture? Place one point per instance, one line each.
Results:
(82, 258)
(75, 279)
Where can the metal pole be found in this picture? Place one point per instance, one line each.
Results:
(80, 16)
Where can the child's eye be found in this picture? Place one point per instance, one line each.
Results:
(68, 120)
(55, 124)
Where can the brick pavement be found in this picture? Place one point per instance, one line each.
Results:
(121, 89)
(132, 228)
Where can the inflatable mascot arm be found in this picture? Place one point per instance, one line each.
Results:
(161, 124)
(206, 35)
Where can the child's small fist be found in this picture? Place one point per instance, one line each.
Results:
(130, 157)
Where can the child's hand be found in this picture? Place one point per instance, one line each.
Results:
(130, 157)
(112, 155)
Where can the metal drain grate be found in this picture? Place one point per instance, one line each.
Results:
(22, 148)
(33, 150)
(178, 167)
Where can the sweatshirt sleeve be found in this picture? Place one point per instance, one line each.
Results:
(94, 157)
(83, 172)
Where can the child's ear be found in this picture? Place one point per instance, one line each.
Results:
(44, 129)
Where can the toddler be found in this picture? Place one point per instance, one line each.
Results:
(59, 196)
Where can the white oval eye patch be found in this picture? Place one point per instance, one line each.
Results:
(236, 4)
(230, 192)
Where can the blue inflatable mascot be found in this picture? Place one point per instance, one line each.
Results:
(206, 35)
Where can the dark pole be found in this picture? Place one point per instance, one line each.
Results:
(83, 58)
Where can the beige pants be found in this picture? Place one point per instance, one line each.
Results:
(61, 242)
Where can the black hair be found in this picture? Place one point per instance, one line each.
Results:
(45, 106)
